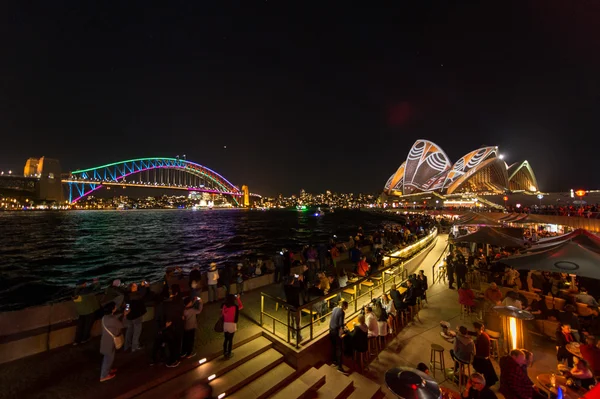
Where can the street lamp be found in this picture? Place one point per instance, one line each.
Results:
(540, 196)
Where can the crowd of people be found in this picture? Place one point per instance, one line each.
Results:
(176, 306)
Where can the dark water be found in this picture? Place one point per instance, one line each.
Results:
(43, 254)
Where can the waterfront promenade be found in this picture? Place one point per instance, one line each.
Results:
(72, 372)
(63, 372)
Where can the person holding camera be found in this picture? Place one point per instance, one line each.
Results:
(230, 312)
(135, 302)
(111, 337)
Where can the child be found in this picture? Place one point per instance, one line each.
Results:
(193, 306)
(239, 279)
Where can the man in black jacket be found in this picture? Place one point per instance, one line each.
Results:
(173, 331)
(294, 296)
(396, 297)
(410, 296)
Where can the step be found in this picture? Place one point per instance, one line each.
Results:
(245, 373)
(364, 388)
(337, 385)
(301, 387)
(267, 383)
(218, 366)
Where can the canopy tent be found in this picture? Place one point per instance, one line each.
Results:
(568, 257)
(528, 218)
(509, 216)
(492, 236)
(473, 218)
(580, 236)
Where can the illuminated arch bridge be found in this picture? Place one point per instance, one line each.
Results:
(164, 173)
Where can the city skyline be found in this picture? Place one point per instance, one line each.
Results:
(253, 94)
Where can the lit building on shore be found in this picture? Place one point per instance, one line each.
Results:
(428, 170)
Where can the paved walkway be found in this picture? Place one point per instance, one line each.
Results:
(412, 345)
(74, 371)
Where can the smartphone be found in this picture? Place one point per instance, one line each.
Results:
(296, 275)
(127, 307)
(280, 252)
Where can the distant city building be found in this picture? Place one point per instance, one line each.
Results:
(427, 169)
(49, 172)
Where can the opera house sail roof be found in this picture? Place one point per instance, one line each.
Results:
(428, 169)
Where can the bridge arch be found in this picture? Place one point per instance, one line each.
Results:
(85, 181)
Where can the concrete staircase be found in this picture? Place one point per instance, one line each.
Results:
(258, 371)
(328, 383)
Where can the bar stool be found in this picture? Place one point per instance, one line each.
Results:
(465, 310)
(433, 361)
(374, 344)
(414, 312)
(494, 347)
(464, 369)
(361, 358)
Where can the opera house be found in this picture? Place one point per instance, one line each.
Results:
(428, 169)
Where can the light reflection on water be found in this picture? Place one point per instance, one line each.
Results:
(43, 254)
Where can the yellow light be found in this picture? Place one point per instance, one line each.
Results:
(202, 361)
(532, 188)
(513, 332)
(212, 377)
(221, 396)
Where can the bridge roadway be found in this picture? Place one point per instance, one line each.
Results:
(155, 185)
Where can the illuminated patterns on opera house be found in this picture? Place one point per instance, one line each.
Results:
(428, 169)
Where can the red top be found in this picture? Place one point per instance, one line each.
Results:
(466, 297)
(230, 313)
(363, 268)
(482, 345)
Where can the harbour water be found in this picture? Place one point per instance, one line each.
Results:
(43, 254)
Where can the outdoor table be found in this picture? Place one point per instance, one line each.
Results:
(329, 298)
(573, 347)
(572, 392)
(450, 393)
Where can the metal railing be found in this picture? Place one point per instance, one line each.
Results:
(438, 269)
(361, 291)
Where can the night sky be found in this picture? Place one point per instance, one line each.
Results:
(313, 95)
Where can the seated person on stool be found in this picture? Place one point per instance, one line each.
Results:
(563, 337)
(466, 296)
(409, 299)
(371, 321)
(464, 348)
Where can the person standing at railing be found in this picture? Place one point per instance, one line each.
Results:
(87, 306)
(212, 277)
(337, 328)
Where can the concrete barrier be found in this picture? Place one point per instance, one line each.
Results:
(38, 329)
